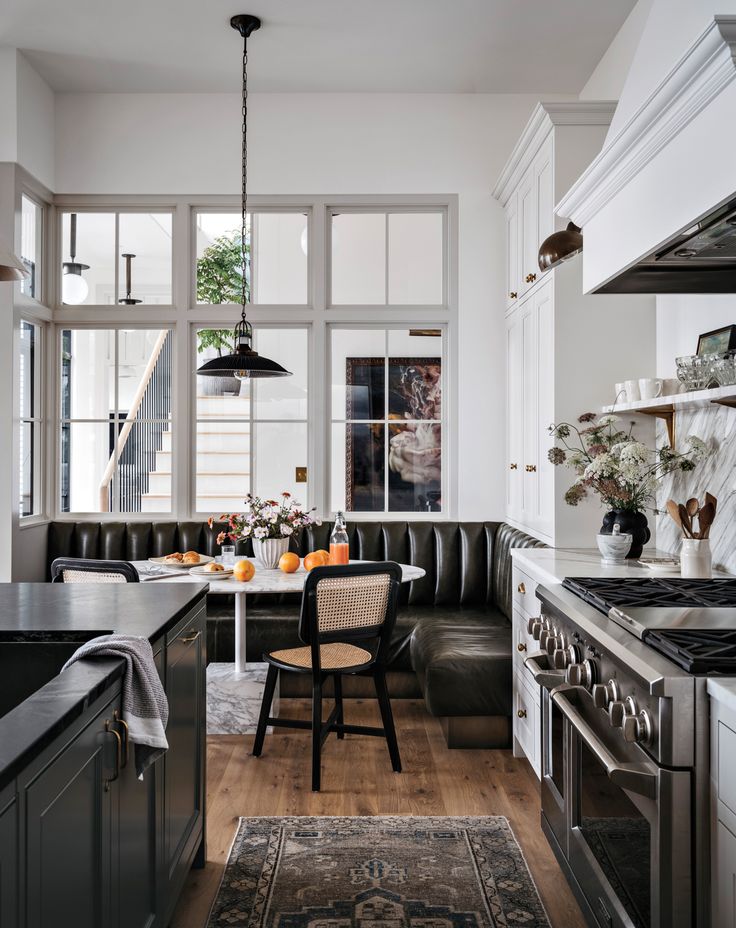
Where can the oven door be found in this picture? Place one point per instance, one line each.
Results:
(630, 824)
(553, 788)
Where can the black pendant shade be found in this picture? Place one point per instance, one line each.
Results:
(560, 246)
(243, 362)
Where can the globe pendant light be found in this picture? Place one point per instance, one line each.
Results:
(243, 363)
(74, 288)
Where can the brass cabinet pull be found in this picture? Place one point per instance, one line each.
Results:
(513, 466)
(521, 646)
(190, 638)
(513, 294)
(126, 736)
(521, 588)
(118, 755)
(531, 468)
(521, 713)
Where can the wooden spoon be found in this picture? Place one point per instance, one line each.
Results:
(692, 506)
(705, 520)
(674, 512)
(687, 526)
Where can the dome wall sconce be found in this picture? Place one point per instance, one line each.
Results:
(560, 246)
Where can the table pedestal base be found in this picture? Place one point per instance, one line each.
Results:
(234, 699)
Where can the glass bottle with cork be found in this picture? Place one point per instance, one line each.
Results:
(339, 541)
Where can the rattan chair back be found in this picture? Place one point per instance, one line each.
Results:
(86, 570)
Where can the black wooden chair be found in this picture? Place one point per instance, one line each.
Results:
(347, 617)
(86, 570)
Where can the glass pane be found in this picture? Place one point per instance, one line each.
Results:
(28, 370)
(222, 466)
(86, 449)
(87, 373)
(415, 265)
(280, 258)
(415, 468)
(219, 274)
(358, 373)
(142, 477)
(95, 246)
(280, 448)
(31, 240)
(29, 503)
(147, 236)
(358, 467)
(359, 258)
(619, 837)
(144, 373)
(219, 397)
(414, 374)
(283, 397)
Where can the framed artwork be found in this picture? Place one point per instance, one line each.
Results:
(393, 436)
(719, 341)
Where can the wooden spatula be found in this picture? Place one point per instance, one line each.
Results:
(709, 498)
(674, 511)
(687, 526)
(705, 520)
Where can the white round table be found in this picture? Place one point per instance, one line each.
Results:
(234, 692)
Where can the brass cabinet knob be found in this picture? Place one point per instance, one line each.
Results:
(513, 466)
(521, 646)
(521, 588)
(530, 278)
(531, 468)
(513, 294)
(521, 713)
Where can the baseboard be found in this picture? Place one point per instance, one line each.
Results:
(476, 731)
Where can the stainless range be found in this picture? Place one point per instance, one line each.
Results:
(625, 777)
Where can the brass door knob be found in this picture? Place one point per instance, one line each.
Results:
(521, 713)
(513, 466)
(521, 646)
(513, 294)
(521, 588)
(531, 468)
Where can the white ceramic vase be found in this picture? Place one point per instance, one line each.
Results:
(695, 559)
(268, 551)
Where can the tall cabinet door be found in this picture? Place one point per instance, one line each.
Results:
(541, 483)
(528, 231)
(9, 857)
(514, 415)
(512, 251)
(530, 441)
(544, 192)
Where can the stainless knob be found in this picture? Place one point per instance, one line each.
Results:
(616, 712)
(637, 728)
(559, 659)
(574, 654)
(605, 693)
(536, 630)
(543, 638)
(552, 644)
(582, 674)
(531, 623)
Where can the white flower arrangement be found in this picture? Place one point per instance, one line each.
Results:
(266, 519)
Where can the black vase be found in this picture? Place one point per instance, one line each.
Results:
(632, 523)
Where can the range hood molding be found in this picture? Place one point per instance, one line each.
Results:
(701, 74)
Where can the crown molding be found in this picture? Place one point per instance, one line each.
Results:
(543, 119)
(702, 73)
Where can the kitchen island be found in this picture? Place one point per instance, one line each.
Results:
(83, 842)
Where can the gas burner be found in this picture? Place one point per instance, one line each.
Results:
(697, 651)
(606, 593)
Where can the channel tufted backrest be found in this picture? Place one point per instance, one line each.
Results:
(466, 563)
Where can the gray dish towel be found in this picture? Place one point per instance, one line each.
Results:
(145, 707)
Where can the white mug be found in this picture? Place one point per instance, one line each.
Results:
(650, 388)
(620, 389)
(632, 391)
(671, 385)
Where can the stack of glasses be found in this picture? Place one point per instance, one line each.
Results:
(698, 372)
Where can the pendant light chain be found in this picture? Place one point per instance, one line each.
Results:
(244, 190)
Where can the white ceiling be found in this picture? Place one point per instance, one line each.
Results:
(454, 46)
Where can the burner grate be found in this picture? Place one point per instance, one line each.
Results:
(697, 651)
(606, 592)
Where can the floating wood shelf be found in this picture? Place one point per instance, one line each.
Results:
(665, 407)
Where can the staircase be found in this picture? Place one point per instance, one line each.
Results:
(222, 476)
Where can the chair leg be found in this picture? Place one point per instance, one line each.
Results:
(269, 690)
(379, 679)
(316, 734)
(338, 702)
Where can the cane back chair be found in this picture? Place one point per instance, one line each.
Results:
(86, 570)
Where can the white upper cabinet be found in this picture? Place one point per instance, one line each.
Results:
(513, 263)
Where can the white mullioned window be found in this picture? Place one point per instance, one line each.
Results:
(31, 419)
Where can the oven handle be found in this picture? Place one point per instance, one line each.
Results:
(543, 676)
(637, 778)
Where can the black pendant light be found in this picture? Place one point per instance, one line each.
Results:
(243, 362)
(74, 288)
(560, 246)
(128, 299)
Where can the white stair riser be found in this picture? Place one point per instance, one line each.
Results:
(159, 484)
(223, 405)
(217, 505)
(153, 504)
(216, 426)
(236, 484)
(209, 462)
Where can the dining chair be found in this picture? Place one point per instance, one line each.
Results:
(86, 570)
(347, 617)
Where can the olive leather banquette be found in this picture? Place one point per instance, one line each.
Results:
(452, 642)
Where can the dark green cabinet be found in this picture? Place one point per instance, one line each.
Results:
(9, 854)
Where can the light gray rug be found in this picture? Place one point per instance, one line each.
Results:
(380, 872)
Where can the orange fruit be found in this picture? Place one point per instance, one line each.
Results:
(325, 556)
(244, 571)
(315, 559)
(289, 562)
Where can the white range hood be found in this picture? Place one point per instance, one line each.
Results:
(669, 160)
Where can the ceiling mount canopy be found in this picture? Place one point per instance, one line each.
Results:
(243, 362)
(560, 246)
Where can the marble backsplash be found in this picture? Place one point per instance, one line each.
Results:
(716, 425)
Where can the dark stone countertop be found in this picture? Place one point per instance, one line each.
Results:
(52, 619)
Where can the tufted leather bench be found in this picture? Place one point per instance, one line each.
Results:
(452, 642)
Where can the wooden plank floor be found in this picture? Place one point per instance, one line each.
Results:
(357, 780)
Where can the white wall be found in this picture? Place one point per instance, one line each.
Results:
(681, 318)
(35, 123)
(333, 144)
(609, 77)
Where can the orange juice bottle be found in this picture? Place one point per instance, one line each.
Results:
(339, 542)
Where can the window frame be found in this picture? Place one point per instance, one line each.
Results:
(184, 316)
(37, 422)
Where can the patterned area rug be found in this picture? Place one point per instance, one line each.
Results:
(383, 872)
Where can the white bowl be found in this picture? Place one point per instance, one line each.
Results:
(614, 548)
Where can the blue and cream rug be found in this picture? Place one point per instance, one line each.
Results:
(383, 872)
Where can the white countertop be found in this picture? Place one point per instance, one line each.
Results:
(552, 565)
